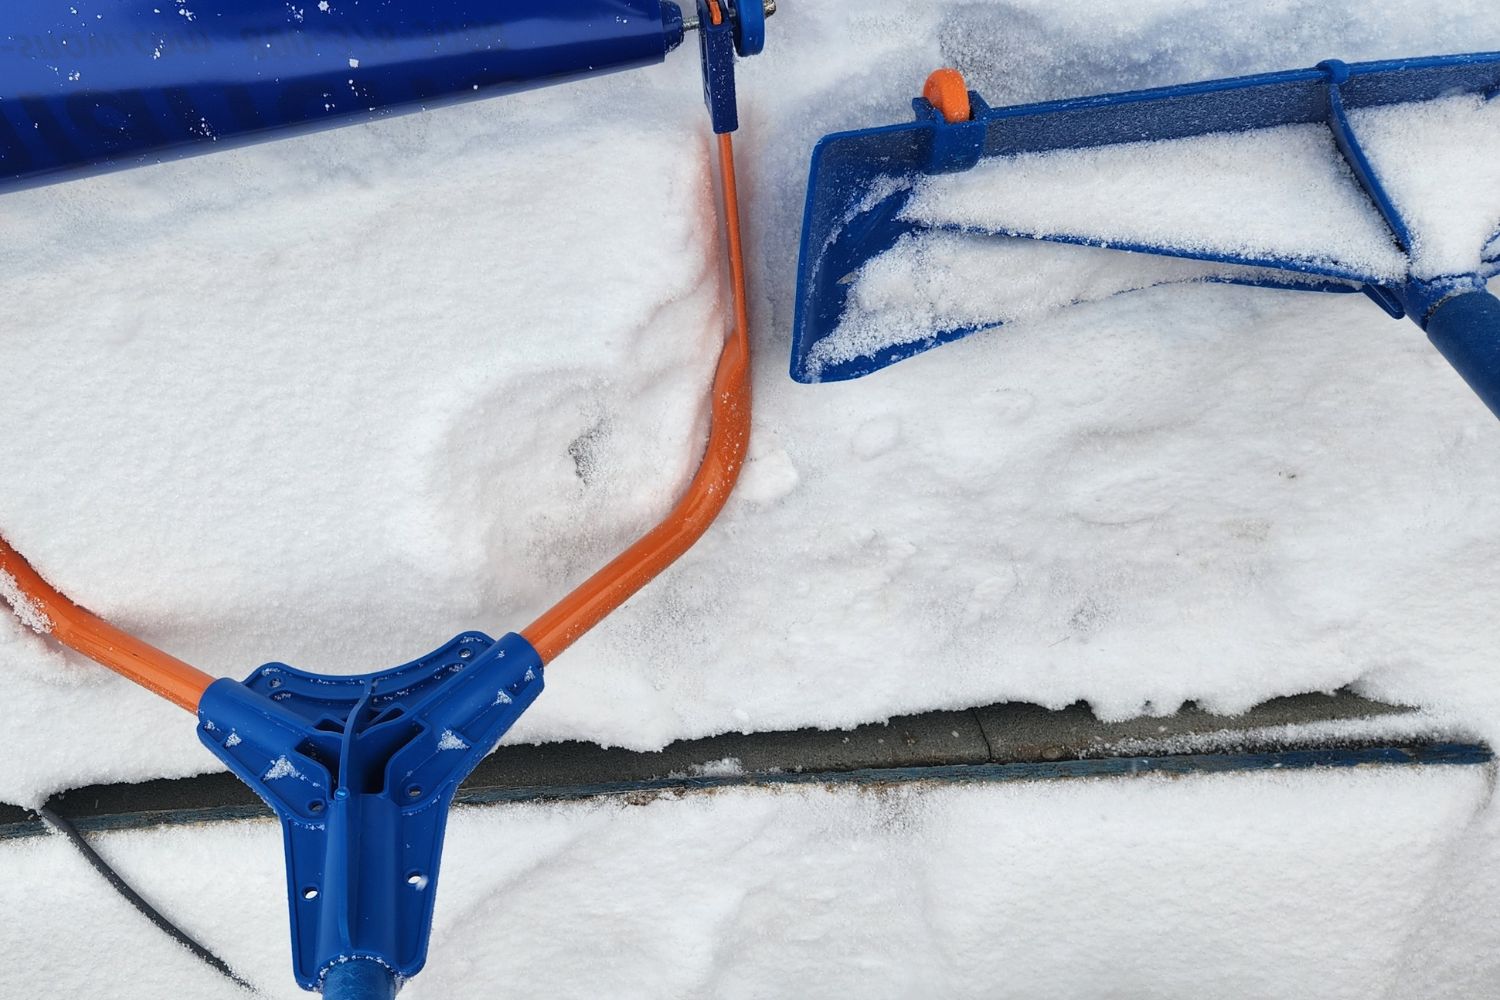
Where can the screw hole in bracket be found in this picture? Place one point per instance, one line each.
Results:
(311, 892)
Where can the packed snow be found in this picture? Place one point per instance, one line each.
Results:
(1357, 884)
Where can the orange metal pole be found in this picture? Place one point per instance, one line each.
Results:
(97, 639)
(728, 439)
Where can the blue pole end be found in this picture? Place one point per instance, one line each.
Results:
(359, 979)
(1466, 329)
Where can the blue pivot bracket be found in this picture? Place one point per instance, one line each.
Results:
(1459, 316)
(742, 29)
(361, 771)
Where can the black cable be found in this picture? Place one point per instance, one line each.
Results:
(151, 913)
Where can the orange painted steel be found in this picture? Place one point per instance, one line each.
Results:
(946, 90)
(95, 638)
(728, 438)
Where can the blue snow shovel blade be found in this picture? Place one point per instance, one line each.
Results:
(863, 183)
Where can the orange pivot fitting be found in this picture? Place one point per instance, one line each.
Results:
(946, 90)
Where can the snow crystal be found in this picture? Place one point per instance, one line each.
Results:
(28, 611)
(727, 767)
(451, 741)
(281, 767)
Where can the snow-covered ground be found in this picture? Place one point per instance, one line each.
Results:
(1358, 885)
(331, 401)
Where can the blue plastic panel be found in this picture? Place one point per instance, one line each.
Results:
(87, 85)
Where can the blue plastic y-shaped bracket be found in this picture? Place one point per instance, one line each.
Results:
(743, 30)
(361, 771)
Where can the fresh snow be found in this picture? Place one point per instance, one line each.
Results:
(1440, 161)
(1269, 194)
(939, 281)
(334, 400)
(1345, 884)
(27, 611)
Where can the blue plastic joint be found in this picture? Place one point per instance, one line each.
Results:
(749, 18)
(360, 979)
(717, 46)
(956, 146)
(361, 771)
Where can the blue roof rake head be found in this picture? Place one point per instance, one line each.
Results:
(866, 188)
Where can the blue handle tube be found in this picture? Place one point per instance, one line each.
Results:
(1466, 329)
(359, 979)
(92, 85)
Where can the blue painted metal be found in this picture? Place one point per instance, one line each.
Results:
(843, 227)
(1464, 328)
(361, 771)
(89, 85)
(360, 979)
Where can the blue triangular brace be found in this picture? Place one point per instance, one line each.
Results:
(361, 771)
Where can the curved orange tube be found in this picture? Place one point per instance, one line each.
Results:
(559, 628)
(728, 438)
(97, 639)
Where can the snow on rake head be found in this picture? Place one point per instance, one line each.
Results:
(1382, 178)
